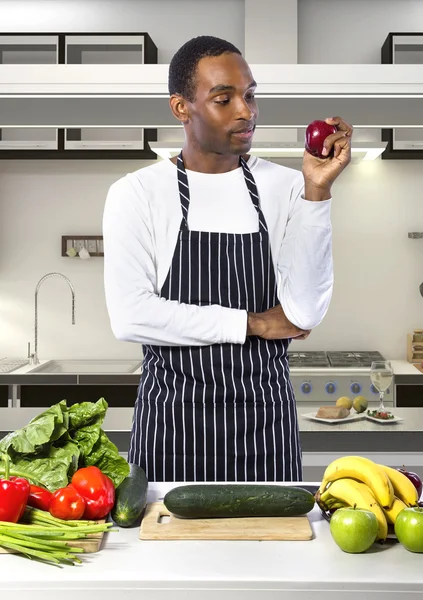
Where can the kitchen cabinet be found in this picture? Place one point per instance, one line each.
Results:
(29, 49)
(403, 49)
(85, 142)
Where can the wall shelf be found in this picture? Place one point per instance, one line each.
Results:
(92, 243)
(75, 140)
(74, 96)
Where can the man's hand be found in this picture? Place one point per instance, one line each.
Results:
(320, 173)
(273, 325)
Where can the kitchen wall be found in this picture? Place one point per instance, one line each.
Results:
(377, 268)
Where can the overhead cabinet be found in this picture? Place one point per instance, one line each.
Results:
(403, 142)
(77, 142)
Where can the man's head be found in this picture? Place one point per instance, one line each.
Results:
(212, 93)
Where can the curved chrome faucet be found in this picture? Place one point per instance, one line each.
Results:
(33, 358)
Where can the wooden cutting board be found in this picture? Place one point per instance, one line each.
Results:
(159, 524)
(91, 544)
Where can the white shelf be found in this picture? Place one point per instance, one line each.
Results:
(378, 96)
(276, 80)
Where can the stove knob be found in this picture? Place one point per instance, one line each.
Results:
(355, 388)
(305, 388)
(330, 387)
(373, 389)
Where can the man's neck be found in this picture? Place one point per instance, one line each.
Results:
(209, 163)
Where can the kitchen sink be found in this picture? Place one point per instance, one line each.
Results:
(78, 366)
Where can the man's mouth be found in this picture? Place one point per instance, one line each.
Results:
(244, 134)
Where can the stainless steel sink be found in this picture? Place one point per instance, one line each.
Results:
(78, 366)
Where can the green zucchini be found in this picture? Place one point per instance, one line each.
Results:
(130, 497)
(238, 500)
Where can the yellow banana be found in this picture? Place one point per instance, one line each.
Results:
(403, 487)
(364, 470)
(392, 513)
(358, 495)
(326, 501)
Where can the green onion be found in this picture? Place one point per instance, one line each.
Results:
(47, 539)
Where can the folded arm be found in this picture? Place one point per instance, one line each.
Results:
(137, 312)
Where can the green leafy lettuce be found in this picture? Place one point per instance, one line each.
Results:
(62, 439)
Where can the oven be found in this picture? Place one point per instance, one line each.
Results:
(321, 377)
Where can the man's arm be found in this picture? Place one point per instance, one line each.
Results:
(305, 263)
(137, 313)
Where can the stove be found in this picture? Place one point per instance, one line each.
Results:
(308, 359)
(353, 359)
(321, 377)
(345, 359)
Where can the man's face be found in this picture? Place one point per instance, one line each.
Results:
(223, 116)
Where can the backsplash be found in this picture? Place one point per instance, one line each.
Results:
(378, 268)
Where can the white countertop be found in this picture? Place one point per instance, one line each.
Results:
(413, 420)
(185, 570)
(400, 367)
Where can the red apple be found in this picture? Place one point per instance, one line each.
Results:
(315, 135)
(414, 478)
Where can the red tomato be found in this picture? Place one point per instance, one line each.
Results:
(66, 503)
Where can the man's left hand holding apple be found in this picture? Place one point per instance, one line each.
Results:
(319, 174)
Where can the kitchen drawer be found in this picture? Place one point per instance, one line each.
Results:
(4, 396)
(409, 395)
(34, 396)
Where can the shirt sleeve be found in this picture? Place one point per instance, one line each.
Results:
(305, 263)
(136, 312)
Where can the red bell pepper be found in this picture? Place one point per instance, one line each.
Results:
(23, 484)
(97, 489)
(14, 494)
(66, 503)
(39, 497)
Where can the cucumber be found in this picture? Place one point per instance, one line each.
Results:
(130, 497)
(238, 500)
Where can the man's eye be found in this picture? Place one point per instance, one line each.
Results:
(222, 101)
(250, 97)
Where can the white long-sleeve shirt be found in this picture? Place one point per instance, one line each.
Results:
(141, 222)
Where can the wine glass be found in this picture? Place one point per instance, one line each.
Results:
(381, 374)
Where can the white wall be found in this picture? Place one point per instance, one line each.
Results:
(352, 31)
(170, 23)
(377, 268)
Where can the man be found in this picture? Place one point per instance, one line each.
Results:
(214, 261)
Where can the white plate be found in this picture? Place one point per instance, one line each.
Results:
(349, 419)
(384, 421)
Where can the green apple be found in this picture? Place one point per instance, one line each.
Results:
(353, 529)
(409, 528)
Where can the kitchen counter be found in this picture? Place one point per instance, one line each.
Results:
(400, 443)
(119, 420)
(183, 570)
(403, 370)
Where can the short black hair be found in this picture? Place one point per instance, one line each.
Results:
(184, 63)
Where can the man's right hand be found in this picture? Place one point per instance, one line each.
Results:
(274, 325)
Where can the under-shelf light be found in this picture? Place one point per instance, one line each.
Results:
(359, 151)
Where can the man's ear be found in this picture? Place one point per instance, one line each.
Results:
(179, 108)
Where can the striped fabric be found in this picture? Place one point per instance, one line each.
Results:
(224, 412)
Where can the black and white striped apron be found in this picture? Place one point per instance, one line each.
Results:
(223, 412)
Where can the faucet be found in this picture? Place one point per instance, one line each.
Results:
(33, 358)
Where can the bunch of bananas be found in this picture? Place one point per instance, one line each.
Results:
(358, 482)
